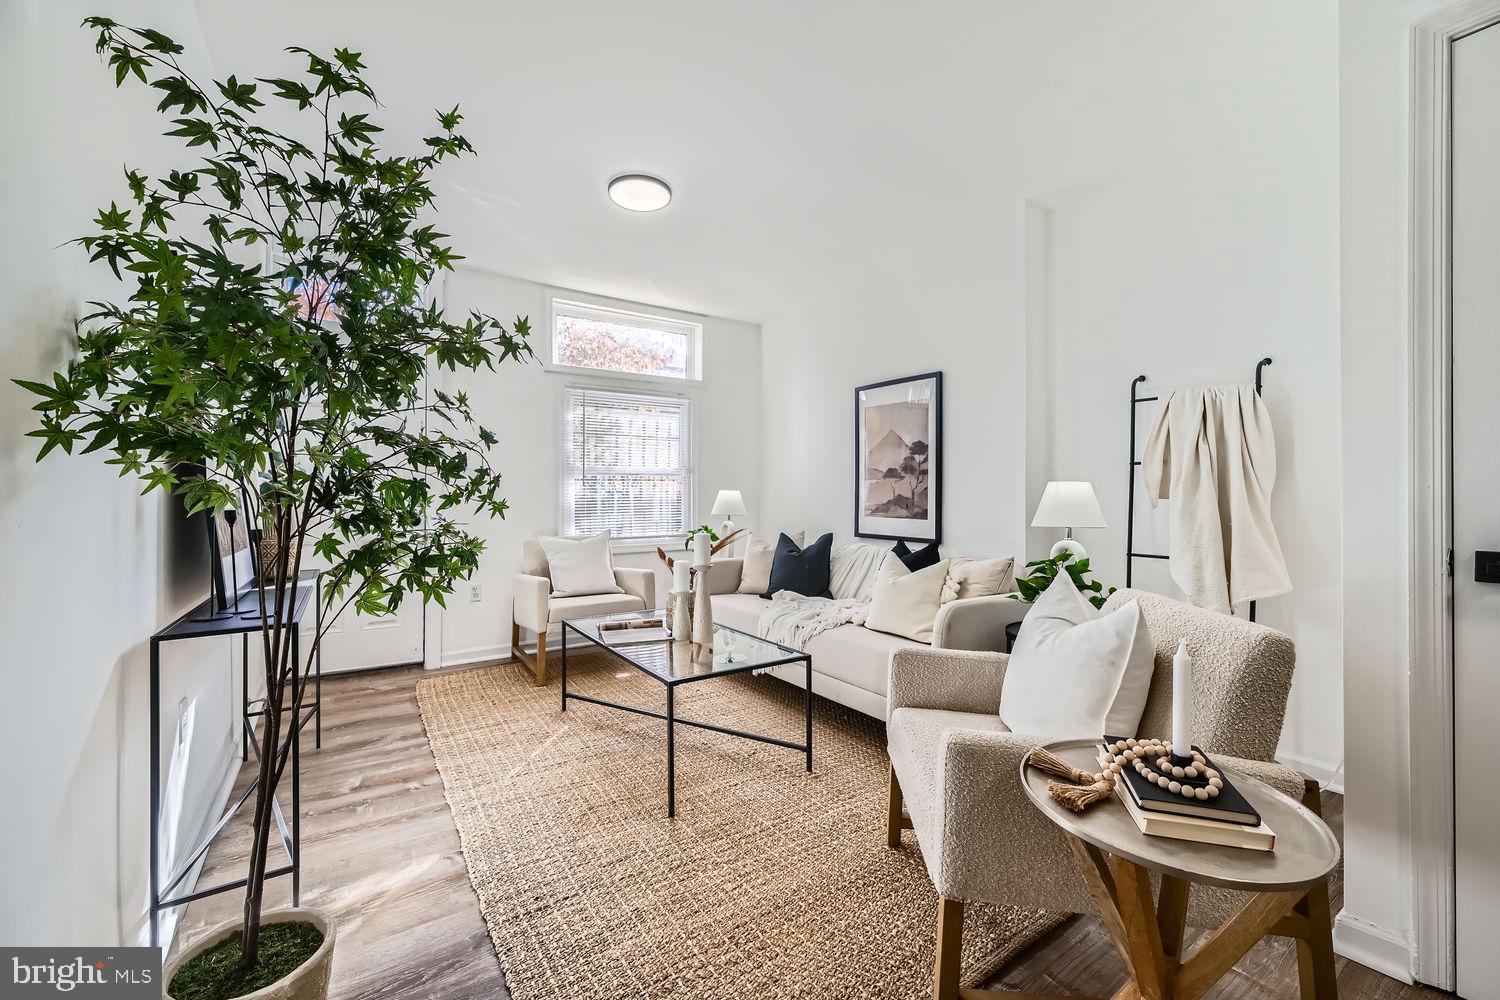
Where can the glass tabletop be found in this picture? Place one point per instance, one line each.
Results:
(676, 662)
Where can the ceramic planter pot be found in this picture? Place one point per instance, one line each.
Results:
(309, 981)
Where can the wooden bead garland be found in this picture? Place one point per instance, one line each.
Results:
(1151, 759)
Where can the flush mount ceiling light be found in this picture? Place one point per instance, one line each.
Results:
(639, 192)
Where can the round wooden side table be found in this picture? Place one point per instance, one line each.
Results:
(1288, 887)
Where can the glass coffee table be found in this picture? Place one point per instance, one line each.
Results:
(677, 663)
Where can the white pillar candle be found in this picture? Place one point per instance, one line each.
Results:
(681, 581)
(1182, 701)
(700, 550)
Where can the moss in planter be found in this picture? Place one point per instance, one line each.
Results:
(216, 974)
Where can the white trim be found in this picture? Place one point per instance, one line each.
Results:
(1375, 947)
(1328, 775)
(640, 314)
(474, 654)
(1431, 692)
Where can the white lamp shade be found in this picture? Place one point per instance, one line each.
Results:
(729, 502)
(1068, 505)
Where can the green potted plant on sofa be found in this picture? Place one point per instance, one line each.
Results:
(290, 388)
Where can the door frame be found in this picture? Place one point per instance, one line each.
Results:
(1431, 695)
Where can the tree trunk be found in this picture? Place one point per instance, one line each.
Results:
(261, 835)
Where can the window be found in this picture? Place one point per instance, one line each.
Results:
(603, 339)
(627, 464)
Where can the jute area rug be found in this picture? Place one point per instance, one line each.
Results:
(770, 882)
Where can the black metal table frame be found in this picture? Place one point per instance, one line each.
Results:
(670, 716)
(291, 839)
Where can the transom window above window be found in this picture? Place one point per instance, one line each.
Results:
(627, 464)
(603, 339)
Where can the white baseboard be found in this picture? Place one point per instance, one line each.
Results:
(1329, 776)
(1386, 952)
(481, 654)
(474, 654)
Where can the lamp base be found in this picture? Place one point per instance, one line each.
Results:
(1068, 545)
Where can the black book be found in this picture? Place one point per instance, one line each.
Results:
(1229, 806)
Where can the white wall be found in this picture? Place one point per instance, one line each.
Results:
(522, 405)
(1190, 272)
(90, 568)
(1182, 229)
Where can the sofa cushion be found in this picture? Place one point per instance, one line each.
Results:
(978, 578)
(905, 603)
(1077, 673)
(916, 559)
(801, 570)
(755, 572)
(858, 656)
(741, 611)
(561, 608)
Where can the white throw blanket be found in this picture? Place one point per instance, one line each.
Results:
(794, 620)
(1213, 452)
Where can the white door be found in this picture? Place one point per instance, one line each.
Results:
(1476, 508)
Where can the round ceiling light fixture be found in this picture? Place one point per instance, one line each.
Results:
(639, 192)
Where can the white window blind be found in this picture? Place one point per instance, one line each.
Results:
(627, 464)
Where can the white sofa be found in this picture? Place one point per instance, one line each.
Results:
(851, 664)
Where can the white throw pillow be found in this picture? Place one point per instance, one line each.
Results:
(1075, 672)
(760, 551)
(852, 570)
(905, 603)
(979, 578)
(580, 566)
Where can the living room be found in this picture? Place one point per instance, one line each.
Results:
(447, 343)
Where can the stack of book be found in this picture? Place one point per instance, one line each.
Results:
(1227, 819)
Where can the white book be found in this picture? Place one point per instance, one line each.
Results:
(1258, 837)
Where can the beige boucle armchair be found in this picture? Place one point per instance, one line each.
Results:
(534, 606)
(955, 766)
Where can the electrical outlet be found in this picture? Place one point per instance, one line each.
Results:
(474, 593)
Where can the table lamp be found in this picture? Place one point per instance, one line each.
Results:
(1068, 505)
(728, 503)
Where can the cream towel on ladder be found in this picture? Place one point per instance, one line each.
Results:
(1213, 453)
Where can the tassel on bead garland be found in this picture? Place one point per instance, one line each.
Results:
(1079, 789)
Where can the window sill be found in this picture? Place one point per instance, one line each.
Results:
(639, 546)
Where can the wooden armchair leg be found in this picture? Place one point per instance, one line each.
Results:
(536, 664)
(894, 820)
(950, 931)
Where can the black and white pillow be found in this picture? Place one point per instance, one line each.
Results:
(921, 558)
(801, 570)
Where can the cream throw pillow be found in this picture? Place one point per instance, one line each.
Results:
(755, 571)
(580, 566)
(979, 578)
(905, 603)
(1076, 673)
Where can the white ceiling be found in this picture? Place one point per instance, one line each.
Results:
(807, 143)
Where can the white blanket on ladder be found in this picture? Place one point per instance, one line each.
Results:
(1212, 451)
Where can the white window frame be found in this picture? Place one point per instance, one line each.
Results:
(636, 314)
(690, 449)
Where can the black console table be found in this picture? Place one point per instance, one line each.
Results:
(202, 623)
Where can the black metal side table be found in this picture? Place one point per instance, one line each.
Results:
(201, 623)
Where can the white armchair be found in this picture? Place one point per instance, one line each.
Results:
(535, 608)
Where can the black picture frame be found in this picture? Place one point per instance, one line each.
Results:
(868, 521)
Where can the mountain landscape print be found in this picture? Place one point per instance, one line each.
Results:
(898, 458)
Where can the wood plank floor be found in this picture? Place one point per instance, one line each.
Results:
(382, 855)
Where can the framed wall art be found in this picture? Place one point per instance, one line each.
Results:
(898, 458)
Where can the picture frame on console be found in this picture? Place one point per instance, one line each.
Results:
(898, 458)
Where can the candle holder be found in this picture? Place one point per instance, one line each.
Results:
(680, 615)
(703, 614)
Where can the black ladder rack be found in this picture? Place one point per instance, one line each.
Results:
(1130, 553)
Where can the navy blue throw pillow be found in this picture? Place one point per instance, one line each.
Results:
(920, 559)
(802, 571)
